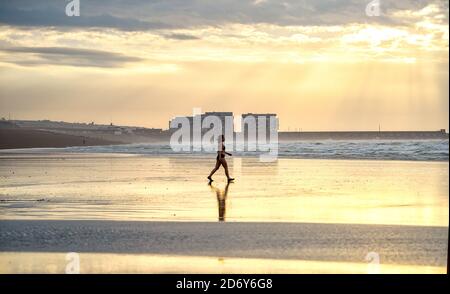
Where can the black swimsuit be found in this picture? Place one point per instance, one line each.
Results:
(221, 154)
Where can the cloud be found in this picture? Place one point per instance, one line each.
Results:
(141, 15)
(419, 33)
(259, 2)
(181, 37)
(29, 56)
(56, 17)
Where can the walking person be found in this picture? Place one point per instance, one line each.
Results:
(220, 160)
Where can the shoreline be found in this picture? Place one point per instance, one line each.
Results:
(43, 152)
(370, 150)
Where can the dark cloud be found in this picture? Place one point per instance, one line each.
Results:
(66, 56)
(55, 17)
(159, 14)
(181, 37)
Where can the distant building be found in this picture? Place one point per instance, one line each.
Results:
(257, 118)
(221, 115)
(260, 119)
(147, 131)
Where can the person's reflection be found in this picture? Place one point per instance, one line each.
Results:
(221, 199)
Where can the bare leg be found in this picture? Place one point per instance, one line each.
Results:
(225, 166)
(215, 169)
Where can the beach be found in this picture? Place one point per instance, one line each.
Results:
(278, 247)
(328, 122)
(131, 213)
(13, 138)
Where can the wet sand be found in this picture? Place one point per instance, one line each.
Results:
(425, 246)
(121, 187)
(56, 263)
(313, 216)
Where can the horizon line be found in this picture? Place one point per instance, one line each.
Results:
(291, 131)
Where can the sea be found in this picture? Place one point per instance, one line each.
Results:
(412, 150)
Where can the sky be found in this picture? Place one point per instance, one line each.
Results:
(320, 65)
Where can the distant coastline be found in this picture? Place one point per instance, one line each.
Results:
(363, 135)
(25, 138)
(43, 133)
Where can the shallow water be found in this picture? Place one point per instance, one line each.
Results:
(127, 187)
(413, 150)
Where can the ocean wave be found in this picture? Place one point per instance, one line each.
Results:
(418, 150)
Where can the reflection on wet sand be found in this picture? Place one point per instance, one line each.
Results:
(94, 263)
(221, 195)
(173, 189)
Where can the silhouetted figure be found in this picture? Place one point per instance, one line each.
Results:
(220, 160)
(221, 200)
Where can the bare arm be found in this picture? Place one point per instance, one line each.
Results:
(222, 150)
